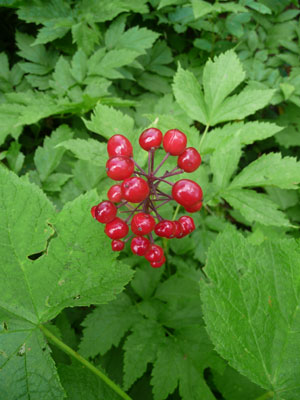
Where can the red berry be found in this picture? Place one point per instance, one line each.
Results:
(194, 208)
(154, 253)
(187, 192)
(142, 224)
(93, 210)
(189, 160)
(105, 212)
(119, 168)
(178, 231)
(174, 142)
(187, 224)
(150, 139)
(165, 229)
(158, 264)
(114, 194)
(116, 229)
(117, 245)
(139, 245)
(119, 145)
(135, 189)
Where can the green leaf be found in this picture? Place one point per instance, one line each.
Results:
(105, 326)
(188, 93)
(251, 309)
(137, 39)
(76, 267)
(54, 182)
(112, 60)
(201, 8)
(85, 37)
(145, 281)
(140, 349)
(48, 157)
(53, 29)
(88, 150)
(270, 170)
(15, 157)
(220, 77)
(62, 78)
(255, 207)
(107, 121)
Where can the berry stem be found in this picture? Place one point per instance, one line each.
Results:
(176, 212)
(128, 238)
(141, 173)
(164, 202)
(152, 206)
(203, 135)
(161, 163)
(167, 174)
(152, 159)
(151, 238)
(163, 180)
(164, 194)
(138, 167)
(132, 211)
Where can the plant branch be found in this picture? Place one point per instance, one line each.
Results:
(68, 350)
(161, 163)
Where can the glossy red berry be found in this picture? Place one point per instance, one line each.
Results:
(174, 142)
(114, 193)
(186, 192)
(150, 139)
(142, 224)
(135, 189)
(119, 168)
(117, 245)
(119, 145)
(154, 253)
(158, 264)
(139, 245)
(178, 231)
(105, 212)
(194, 208)
(165, 229)
(93, 211)
(189, 160)
(116, 229)
(187, 224)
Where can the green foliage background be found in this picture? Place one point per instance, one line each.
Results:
(220, 320)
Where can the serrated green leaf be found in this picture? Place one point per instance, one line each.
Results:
(145, 280)
(54, 182)
(112, 60)
(255, 207)
(201, 8)
(105, 326)
(140, 349)
(53, 29)
(88, 150)
(62, 78)
(270, 170)
(284, 198)
(85, 37)
(48, 157)
(249, 316)
(137, 39)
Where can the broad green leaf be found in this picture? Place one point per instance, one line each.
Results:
(62, 78)
(105, 326)
(87, 175)
(79, 65)
(112, 60)
(48, 157)
(220, 77)
(137, 39)
(9, 113)
(224, 161)
(201, 8)
(188, 93)
(247, 133)
(255, 207)
(85, 37)
(88, 150)
(15, 157)
(140, 349)
(76, 267)
(251, 309)
(55, 181)
(284, 198)
(107, 121)
(145, 281)
(81, 384)
(270, 170)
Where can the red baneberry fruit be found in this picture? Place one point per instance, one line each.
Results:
(174, 142)
(119, 168)
(117, 245)
(135, 189)
(105, 212)
(139, 245)
(154, 253)
(165, 229)
(119, 145)
(187, 192)
(187, 224)
(114, 193)
(142, 224)
(93, 211)
(178, 232)
(116, 229)
(150, 139)
(158, 264)
(194, 208)
(189, 160)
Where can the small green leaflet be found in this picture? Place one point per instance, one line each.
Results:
(251, 308)
(76, 267)
(89, 150)
(220, 77)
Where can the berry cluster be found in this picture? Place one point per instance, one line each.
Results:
(142, 188)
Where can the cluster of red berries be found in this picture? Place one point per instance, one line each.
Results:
(142, 188)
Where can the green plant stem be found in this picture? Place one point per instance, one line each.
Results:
(176, 212)
(203, 135)
(265, 396)
(66, 349)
